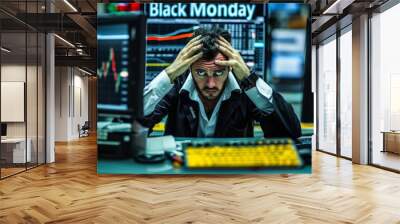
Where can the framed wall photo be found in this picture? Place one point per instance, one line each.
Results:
(12, 101)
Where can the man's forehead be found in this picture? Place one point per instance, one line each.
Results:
(210, 64)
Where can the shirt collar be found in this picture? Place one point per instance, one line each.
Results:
(230, 86)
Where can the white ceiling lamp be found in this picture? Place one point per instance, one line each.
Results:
(70, 5)
(337, 7)
(84, 71)
(65, 41)
(5, 50)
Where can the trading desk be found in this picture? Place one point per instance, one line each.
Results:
(130, 166)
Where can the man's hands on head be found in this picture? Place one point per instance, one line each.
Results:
(235, 60)
(189, 54)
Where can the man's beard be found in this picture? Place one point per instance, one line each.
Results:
(210, 96)
(207, 97)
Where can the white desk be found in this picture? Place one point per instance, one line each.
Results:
(16, 146)
(391, 141)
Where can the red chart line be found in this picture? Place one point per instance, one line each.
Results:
(177, 37)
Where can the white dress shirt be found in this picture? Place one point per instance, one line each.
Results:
(260, 95)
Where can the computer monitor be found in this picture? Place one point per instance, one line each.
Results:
(307, 109)
(274, 39)
(3, 129)
(168, 33)
(121, 63)
(120, 69)
(288, 51)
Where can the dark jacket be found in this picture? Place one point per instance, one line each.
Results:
(235, 117)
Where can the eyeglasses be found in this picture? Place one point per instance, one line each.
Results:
(201, 73)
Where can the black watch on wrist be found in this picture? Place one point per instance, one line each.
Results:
(250, 81)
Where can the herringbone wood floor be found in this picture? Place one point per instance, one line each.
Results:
(70, 191)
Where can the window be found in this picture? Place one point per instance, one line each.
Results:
(22, 76)
(346, 93)
(327, 96)
(385, 87)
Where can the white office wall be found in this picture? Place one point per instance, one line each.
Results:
(62, 81)
(71, 102)
(13, 72)
(80, 100)
(81, 82)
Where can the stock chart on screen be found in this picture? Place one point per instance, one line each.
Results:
(113, 67)
(167, 33)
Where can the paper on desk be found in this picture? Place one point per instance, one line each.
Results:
(158, 145)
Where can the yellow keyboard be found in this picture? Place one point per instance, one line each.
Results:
(267, 153)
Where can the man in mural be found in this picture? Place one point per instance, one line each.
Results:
(209, 91)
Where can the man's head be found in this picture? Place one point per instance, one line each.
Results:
(209, 77)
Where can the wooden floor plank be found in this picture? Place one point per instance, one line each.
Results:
(70, 191)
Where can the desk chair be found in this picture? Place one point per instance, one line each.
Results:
(84, 130)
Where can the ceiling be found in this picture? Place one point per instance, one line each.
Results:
(326, 14)
(72, 20)
(75, 22)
